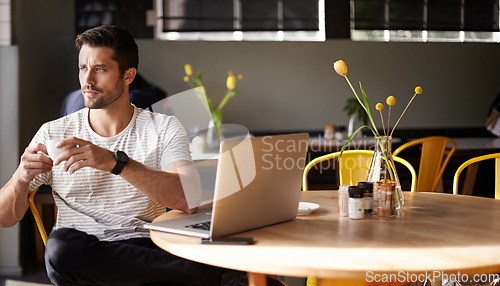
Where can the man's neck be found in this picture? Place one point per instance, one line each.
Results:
(112, 120)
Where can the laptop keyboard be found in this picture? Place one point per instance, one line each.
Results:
(200, 225)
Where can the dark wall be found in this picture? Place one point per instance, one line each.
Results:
(44, 32)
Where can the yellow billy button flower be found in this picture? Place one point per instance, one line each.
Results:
(240, 76)
(188, 69)
(186, 78)
(418, 90)
(340, 67)
(391, 100)
(231, 82)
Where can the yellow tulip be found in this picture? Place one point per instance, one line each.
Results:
(186, 78)
(379, 106)
(188, 69)
(391, 100)
(340, 67)
(231, 82)
(418, 90)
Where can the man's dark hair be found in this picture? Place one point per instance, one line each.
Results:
(126, 52)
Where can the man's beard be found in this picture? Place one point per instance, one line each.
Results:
(106, 97)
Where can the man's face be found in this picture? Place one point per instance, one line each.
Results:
(99, 75)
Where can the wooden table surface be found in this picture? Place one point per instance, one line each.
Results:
(433, 232)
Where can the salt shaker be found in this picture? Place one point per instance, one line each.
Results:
(344, 200)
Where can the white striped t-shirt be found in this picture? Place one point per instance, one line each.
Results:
(98, 202)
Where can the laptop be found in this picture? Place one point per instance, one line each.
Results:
(258, 183)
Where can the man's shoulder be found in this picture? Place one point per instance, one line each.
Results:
(143, 114)
(169, 125)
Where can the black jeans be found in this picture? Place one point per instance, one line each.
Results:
(73, 257)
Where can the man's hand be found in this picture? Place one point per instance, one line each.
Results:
(33, 162)
(84, 154)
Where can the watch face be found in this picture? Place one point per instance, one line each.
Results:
(120, 156)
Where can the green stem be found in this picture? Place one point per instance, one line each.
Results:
(402, 113)
(364, 107)
(382, 120)
(387, 162)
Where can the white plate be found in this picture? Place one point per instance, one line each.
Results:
(306, 208)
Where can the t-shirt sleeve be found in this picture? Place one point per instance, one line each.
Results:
(176, 146)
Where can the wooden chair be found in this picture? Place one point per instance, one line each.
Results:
(354, 166)
(495, 156)
(433, 159)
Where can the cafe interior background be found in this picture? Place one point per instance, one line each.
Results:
(288, 85)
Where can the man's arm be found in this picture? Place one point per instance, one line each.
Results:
(178, 187)
(14, 195)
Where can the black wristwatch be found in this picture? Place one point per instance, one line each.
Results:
(121, 160)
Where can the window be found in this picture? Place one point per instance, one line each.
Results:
(5, 26)
(425, 20)
(132, 14)
(240, 20)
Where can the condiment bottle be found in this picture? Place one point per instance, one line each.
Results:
(367, 188)
(356, 205)
(329, 132)
(384, 198)
(344, 200)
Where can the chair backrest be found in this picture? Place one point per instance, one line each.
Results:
(434, 157)
(36, 215)
(353, 167)
(495, 156)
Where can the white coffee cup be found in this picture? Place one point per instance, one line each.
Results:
(53, 150)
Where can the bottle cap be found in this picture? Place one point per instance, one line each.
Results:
(366, 186)
(355, 192)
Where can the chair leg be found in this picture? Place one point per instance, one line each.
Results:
(257, 279)
(470, 179)
(439, 186)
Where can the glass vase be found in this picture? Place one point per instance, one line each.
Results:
(383, 169)
(213, 136)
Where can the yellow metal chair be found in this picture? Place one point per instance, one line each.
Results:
(36, 215)
(433, 159)
(354, 166)
(495, 156)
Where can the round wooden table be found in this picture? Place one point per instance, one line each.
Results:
(434, 234)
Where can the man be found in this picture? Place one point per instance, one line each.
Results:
(124, 167)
